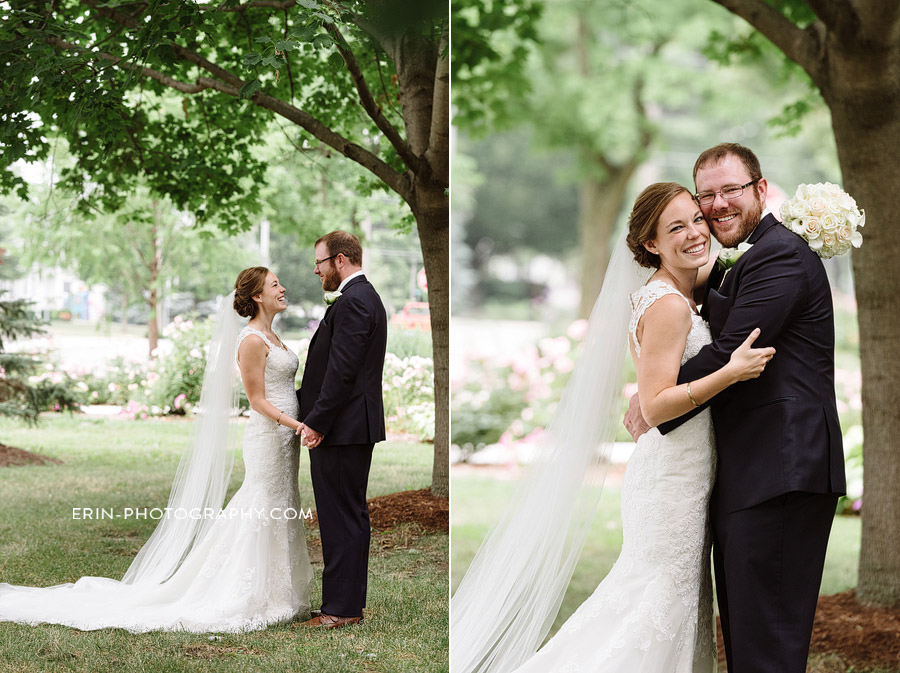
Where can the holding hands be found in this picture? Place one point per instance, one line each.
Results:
(310, 438)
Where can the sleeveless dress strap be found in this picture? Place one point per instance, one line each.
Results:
(643, 299)
(247, 331)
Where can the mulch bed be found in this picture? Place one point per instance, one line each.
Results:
(864, 637)
(10, 456)
(418, 507)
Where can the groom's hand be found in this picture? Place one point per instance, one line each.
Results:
(310, 437)
(634, 419)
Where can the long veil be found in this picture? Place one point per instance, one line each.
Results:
(511, 593)
(198, 492)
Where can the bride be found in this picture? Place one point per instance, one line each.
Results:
(206, 568)
(653, 611)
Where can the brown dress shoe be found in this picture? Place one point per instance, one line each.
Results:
(331, 622)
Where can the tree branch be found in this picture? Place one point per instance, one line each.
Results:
(287, 61)
(271, 4)
(170, 82)
(801, 46)
(399, 182)
(439, 136)
(415, 163)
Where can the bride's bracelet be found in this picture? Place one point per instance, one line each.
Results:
(280, 414)
(691, 397)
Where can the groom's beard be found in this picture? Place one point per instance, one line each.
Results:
(749, 221)
(331, 280)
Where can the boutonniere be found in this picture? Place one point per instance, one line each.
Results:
(728, 257)
(330, 297)
(826, 216)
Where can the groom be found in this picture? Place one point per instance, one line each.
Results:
(342, 416)
(780, 458)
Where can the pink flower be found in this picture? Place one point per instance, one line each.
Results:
(577, 329)
(179, 401)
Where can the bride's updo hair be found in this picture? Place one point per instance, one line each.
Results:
(644, 218)
(250, 282)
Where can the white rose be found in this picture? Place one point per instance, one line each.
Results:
(811, 228)
(829, 223)
(798, 210)
(817, 206)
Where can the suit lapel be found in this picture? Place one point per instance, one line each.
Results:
(712, 284)
(764, 225)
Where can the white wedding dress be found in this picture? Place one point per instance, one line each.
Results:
(653, 612)
(250, 570)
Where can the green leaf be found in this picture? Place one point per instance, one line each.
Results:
(309, 4)
(286, 45)
(263, 40)
(273, 61)
(303, 33)
(252, 59)
(250, 88)
(322, 40)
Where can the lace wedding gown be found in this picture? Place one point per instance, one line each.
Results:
(653, 612)
(251, 569)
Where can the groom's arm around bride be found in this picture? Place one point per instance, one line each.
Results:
(342, 417)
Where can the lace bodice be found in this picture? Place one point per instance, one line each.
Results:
(281, 367)
(641, 300)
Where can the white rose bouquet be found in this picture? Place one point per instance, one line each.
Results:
(826, 216)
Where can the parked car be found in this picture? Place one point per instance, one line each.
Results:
(413, 315)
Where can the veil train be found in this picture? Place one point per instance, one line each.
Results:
(511, 593)
(196, 498)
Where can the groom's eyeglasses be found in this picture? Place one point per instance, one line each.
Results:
(322, 261)
(728, 193)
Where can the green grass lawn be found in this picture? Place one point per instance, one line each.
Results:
(476, 502)
(116, 464)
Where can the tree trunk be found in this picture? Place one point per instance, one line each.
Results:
(423, 79)
(866, 121)
(152, 326)
(153, 301)
(433, 223)
(600, 202)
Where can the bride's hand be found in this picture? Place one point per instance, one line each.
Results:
(747, 362)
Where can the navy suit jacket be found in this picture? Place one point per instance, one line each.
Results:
(341, 391)
(780, 432)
